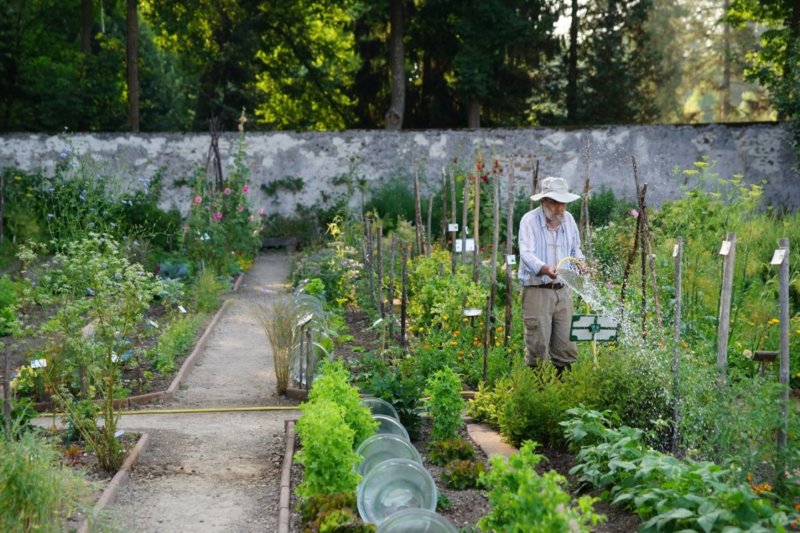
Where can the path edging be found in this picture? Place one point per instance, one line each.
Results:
(110, 492)
(284, 513)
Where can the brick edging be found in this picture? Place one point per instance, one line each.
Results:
(284, 512)
(110, 492)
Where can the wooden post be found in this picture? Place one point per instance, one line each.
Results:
(429, 241)
(783, 303)
(464, 223)
(453, 219)
(495, 246)
(309, 360)
(647, 245)
(7, 393)
(487, 324)
(393, 253)
(676, 355)
(643, 251)
(417, 212)
(379, 267)
(444, 210)
(723, 331)
(403, 297)
(585, 229)
(476, 219)
(534, 181)
(509, 251)
(370, 267)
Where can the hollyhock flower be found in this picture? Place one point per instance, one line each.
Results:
(198, 200)
(217, 216)
(227, 191)
(240, 208)
(246, 189)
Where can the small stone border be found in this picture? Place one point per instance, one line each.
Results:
(110, 492)
(284, 513)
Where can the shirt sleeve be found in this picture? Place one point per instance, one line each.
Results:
(527, 247)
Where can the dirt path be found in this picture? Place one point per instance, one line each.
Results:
(209, 472)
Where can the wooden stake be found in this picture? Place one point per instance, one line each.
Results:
(495, 247)
(417, 212)
(585, 230)
(379, 265)
(464, 208)
(444, 210)
(676, 354)
(509, 251)
(726, 293)
(391, 285)
(430, 222)
(370, 267)
(487, 322)
(783, 303)
(404, 297)
(476, 228)
(534, 181)
(453, 220)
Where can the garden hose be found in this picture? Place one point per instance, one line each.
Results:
(192, 411)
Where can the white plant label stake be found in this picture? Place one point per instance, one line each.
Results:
(725, 249)
(778, 256)
(511, 259)
(452, 227)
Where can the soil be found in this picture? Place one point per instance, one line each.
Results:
(207, 471)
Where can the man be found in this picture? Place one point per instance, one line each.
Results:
(547, 235)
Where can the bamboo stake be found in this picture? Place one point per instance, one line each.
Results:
(586, 235)
(444, 210)
(643, 251)
(509, 252)
(627, 270)
(647, 242)
(7, 393)
(676, 355)
(486, 328)
(453, 219)
(723, 332)
(370, 262)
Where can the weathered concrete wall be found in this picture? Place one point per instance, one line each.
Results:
(759, 152)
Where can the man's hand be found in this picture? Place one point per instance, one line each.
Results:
(548, 270)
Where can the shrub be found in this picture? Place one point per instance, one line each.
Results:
(207, 291)
(277, 319)
(398, 385)
(522, 500)
(327, 453)
(36, 492)
(333, 385)
(445, 403)
(177, 338)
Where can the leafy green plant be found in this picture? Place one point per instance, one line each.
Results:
(444, 451)
(399, 385)
(670, 494)
(445, 404)
(37, 493)
(462, 474)
(208, 289)
(333, 385)
(327, 453)
(177, 337)
(522, 500)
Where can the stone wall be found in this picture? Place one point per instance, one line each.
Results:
(762, 153)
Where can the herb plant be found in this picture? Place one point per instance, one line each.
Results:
(445, 404)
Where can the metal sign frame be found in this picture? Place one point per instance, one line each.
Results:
(595, 328)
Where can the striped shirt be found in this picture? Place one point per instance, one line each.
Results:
(540, 245)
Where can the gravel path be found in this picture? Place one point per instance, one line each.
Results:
(208, 472)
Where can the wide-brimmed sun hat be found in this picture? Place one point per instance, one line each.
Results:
(555, 188)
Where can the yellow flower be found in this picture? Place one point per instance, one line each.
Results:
(421, 329)
(798, 331)
(499, 329)
(773, 321)
(453, 343)
(748, 354)
(456, 333)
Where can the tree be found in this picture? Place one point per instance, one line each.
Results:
(132, 63)
(394, 116)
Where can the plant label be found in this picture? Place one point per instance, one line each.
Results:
(473, 312)
(305, 320)
(778, 256)
(452, 227)
(725, 249)
(182, 309)
(511, 259)
(39, 363)
(470, 246)
(675, 250)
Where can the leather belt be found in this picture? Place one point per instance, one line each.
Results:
(554, 286)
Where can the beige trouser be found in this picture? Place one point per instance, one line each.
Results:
(547, 314)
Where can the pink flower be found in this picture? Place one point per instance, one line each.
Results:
(240, 208)
(198, 200)
(635, 213)
(217, 216)
(246, 188)
(227, 191)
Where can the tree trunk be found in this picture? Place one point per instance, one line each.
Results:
(474, 113)
(86, 27)
(725, 88)
(394, 116)
(572, 65)
(132, 55)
